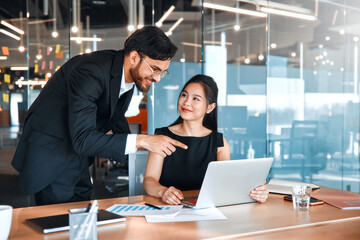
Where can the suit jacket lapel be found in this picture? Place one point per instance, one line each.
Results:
(115, 81)
(122, 105)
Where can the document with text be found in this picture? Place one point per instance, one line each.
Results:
(142, 210)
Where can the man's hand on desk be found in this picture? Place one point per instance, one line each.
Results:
(172, 196)
(260, 193)
(158, 144)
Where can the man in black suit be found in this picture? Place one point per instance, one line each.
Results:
(68, 124)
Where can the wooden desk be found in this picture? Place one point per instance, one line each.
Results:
(274, 219)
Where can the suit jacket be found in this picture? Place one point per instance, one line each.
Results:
(70, 118)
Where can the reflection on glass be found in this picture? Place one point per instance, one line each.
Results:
(289, 87)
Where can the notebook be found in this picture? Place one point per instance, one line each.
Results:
(284, 186)
(59, 223)
(230, 182)
(340, 199)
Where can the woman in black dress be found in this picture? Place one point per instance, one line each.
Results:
(197, 128)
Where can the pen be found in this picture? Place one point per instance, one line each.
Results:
(88, 208)
(153, 206)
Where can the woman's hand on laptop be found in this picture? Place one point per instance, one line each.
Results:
(260, 193)
(172, 196)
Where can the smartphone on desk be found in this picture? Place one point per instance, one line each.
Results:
(313, 201)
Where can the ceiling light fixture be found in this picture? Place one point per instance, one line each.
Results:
(86, 39)
(12, 27)
(19, 68)
(217, 42)
(131, 28)
(205, 42)
(3, 57)
(141, 14)
(335, 16)
(74, 29)
(131, 16)
(237, 16)
(76, 16)
(10, 34)
(176, 24)
(162, 19)
(169, 33)
(41, 83)
(54, 34)
(234, 10)
(288, 14)
(191, 44)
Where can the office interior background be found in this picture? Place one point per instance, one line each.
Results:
(287, 72)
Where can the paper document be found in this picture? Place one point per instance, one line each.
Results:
(284, 187)
(142, 210)
(187, 215)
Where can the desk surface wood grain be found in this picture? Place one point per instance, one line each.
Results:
(274, 219)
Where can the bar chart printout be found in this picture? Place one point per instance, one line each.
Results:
(143, 210)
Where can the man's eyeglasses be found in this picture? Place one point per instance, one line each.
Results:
(156, 73)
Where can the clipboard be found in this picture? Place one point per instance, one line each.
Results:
(59, 223)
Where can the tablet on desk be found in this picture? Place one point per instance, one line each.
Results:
(59, 223)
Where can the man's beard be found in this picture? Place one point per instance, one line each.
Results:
(134, 73)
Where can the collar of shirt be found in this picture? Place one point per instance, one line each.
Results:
(124, 87)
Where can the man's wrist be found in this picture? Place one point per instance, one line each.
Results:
(140, 141)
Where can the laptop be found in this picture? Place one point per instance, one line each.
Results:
(230, 182)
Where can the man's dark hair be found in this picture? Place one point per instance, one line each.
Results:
(211, 94)
(152, 42)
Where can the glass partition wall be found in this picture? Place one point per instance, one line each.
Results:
(287, 71)
(313, 93)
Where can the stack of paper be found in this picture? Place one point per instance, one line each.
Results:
(188, 215)
(168, 213)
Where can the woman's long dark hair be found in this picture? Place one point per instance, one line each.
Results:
(211, 93)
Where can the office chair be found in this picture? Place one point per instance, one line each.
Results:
(304, 151)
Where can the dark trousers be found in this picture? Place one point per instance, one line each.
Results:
(72, 185)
